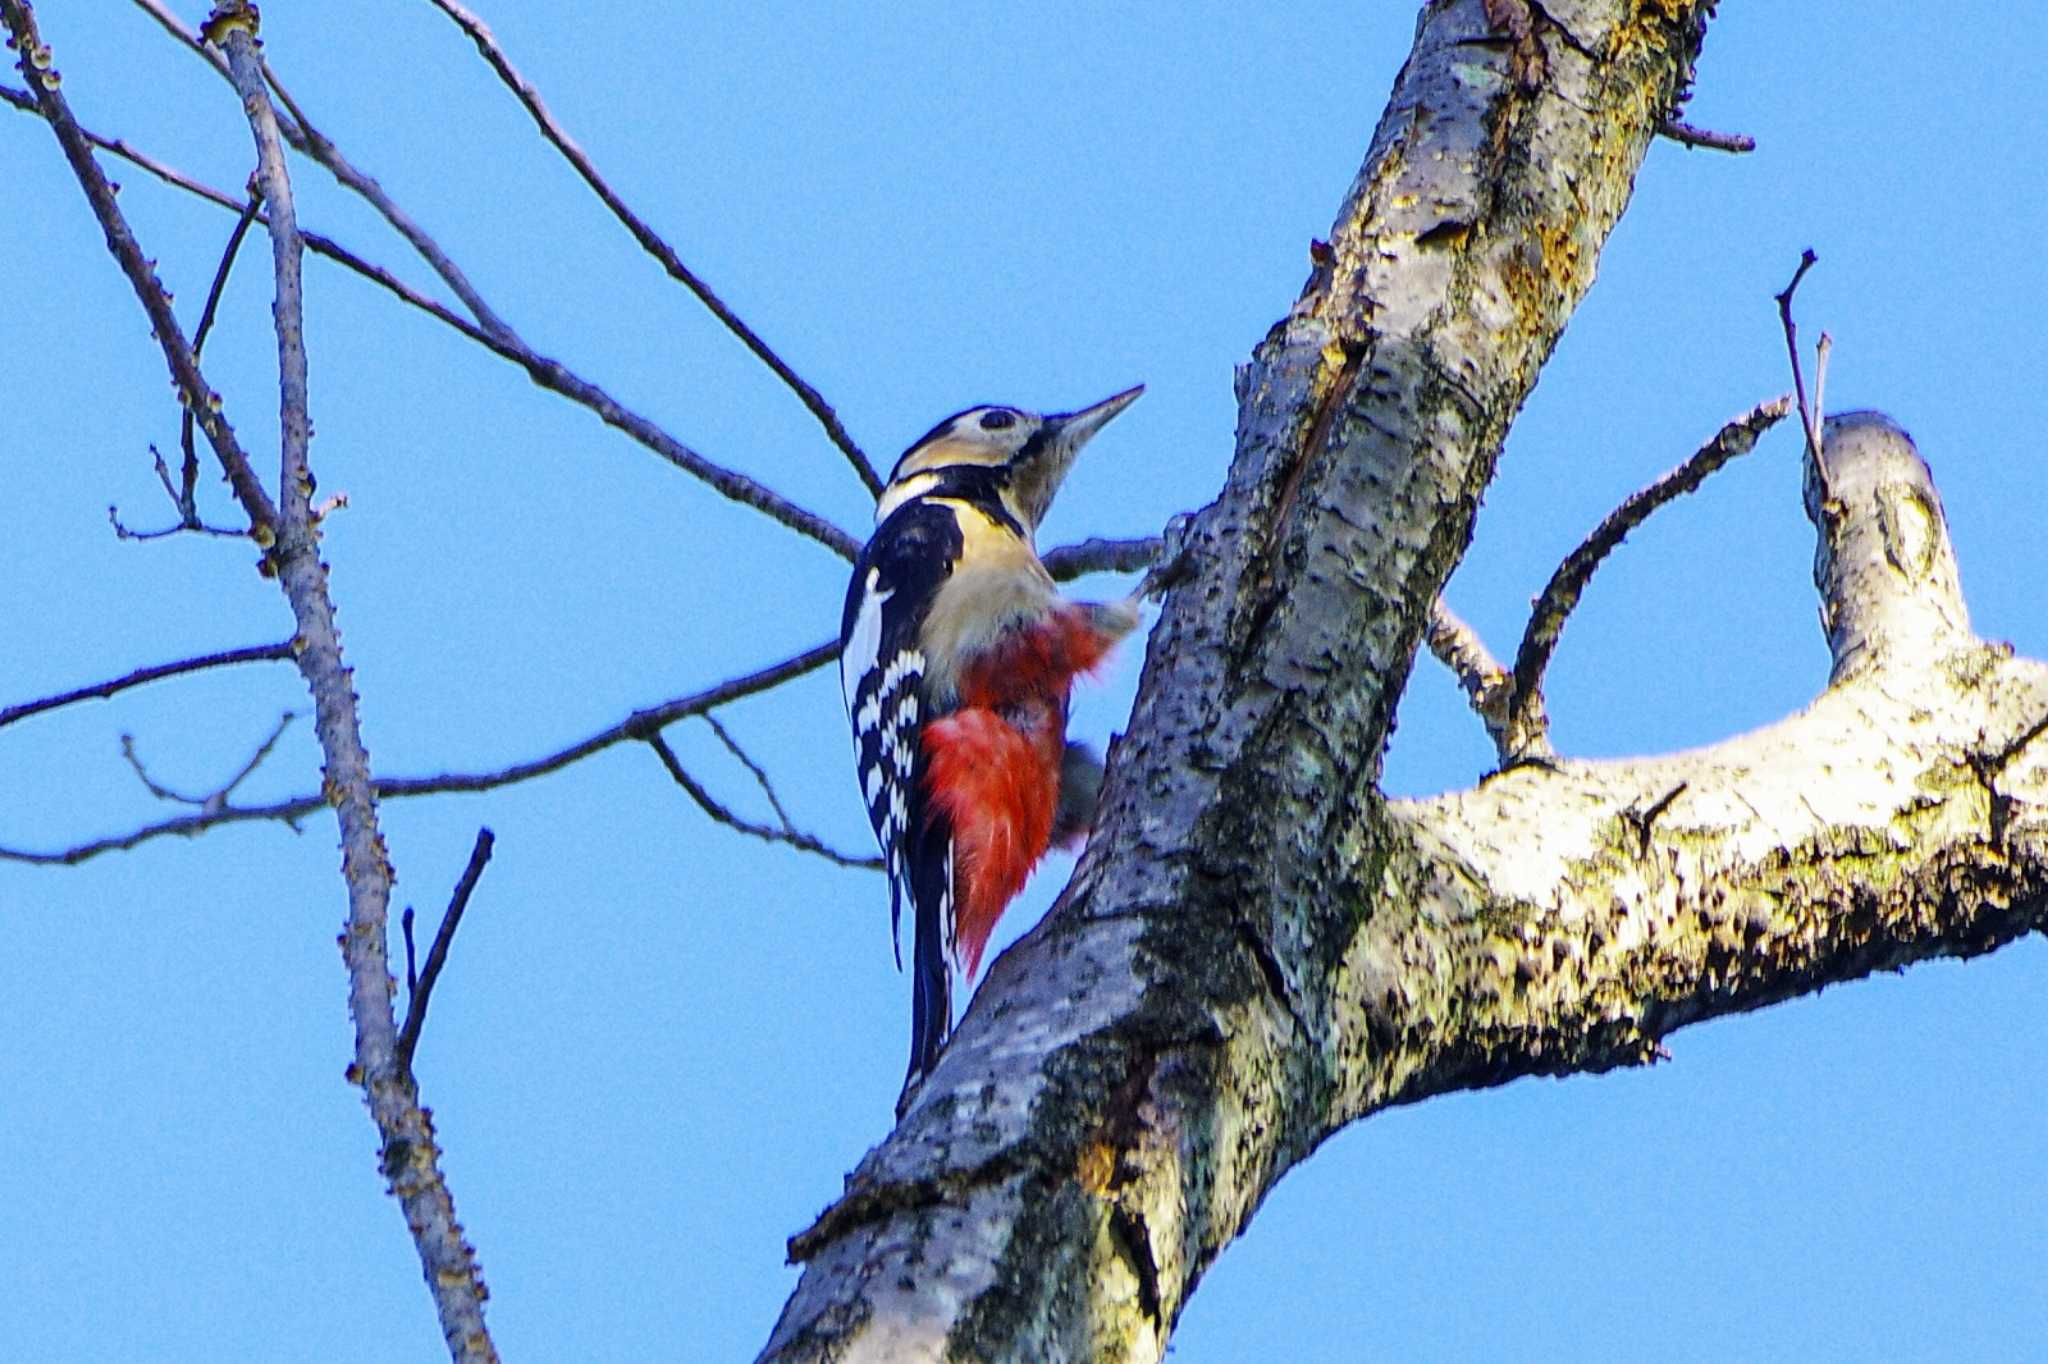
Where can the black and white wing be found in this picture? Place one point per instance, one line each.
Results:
(882, 672)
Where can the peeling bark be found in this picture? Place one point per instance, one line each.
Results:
(1257, 948)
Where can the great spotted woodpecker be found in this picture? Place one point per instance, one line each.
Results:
(957, 656)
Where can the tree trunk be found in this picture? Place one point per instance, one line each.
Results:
(1257, 947)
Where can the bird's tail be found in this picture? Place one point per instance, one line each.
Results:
(931, 981)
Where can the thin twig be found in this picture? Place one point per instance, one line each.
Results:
(185, 495)
(1561, 593)
(635, 726)
(1097, 555)
(193, 389)
(100, 691)
(217, 798)
(412, 977)
(1809, 417)
(308, 141)
(187, 498)
(1680, 131)
(122, 531)
(149, 783)
(419, 990)
(545, 372)
(732, 746)
(651, 242)
(255, 760)
(1822, 349)
(720, 814)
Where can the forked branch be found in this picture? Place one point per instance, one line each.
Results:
(419, 987)
(1810, 415)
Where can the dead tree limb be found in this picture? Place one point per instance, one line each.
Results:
(411, 1159)
(1258, 947)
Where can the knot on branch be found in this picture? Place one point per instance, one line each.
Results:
(1890, 591)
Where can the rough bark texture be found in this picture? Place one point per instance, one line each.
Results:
(1256, 948)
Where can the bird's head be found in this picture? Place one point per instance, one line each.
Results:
(1019, 456)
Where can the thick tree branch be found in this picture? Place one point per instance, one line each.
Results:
(638, 725)
(652, 243)
(1132, 1078)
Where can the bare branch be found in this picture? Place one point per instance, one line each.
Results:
(1809, 417)
(100, 691)
(635, 726)
(420, 989)
(720, 814)
(412, 977)
(316, 243)
(732, 746)
(308, 141)
(1097, 555)
(547, 373)
(218, 797)
(1458, 647)
(1562, 592)
(184, 495)
(262, 752)
(122, 531)
(193, 389)
(651, 242)
(188, 483)
(410, 1159)
(1680, 131)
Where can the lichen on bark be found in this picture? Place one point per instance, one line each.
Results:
(1257, 948)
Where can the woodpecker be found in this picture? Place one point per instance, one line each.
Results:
(957, 656)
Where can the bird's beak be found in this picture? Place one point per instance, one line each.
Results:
(1073, 429)
(1042, 469)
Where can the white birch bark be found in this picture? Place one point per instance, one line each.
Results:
(1257, 948)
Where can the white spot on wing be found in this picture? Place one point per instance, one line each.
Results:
(863, 649)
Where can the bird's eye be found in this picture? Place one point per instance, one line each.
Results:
(997, 420)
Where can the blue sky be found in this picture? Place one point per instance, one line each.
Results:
(660, 1045)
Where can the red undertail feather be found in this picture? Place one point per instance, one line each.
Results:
(999, 798)
(994, 764)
